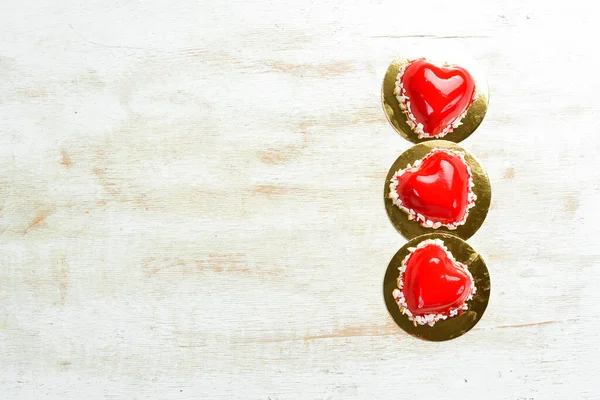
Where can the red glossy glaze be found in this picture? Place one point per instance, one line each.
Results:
(433, 283)
(438, 95)
(438, 189)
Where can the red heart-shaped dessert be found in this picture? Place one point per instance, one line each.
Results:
(436, 191)
(432, 285)
(434, 99)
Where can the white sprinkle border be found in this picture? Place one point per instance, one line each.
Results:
(411, 121)
(429, 319)
(412, 214)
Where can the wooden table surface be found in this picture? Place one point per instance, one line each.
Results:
(191, 200)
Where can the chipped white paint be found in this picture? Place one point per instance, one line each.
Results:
(191, 201)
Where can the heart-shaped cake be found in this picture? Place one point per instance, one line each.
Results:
(434, 98)
(432, 285)
(436, 191)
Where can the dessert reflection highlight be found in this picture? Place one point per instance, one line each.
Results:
(437, 190)
(432, 285)
(434, 98)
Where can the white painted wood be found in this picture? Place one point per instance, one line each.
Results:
(191, 201)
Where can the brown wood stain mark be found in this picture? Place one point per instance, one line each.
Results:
(142, 201)
(527, 325)
(350, 331)
(284, 154)
(495, 256)
(63, 280)
(289, 152)
(195, 52)
(38, 219)
(364, 120)
(269, 190)
(509, 173)
(275, 190)
(571, 204)
(34, 94)
(493, 205)
(377, 176)
(219, 263)
(323, 70)
(109, 186)
(280, 156)
(356, 331)
(387, 330)
(65, 159)
(365, 116)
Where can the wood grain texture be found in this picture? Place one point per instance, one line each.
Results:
(190, 201)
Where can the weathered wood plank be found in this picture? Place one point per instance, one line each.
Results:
(191, 201)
